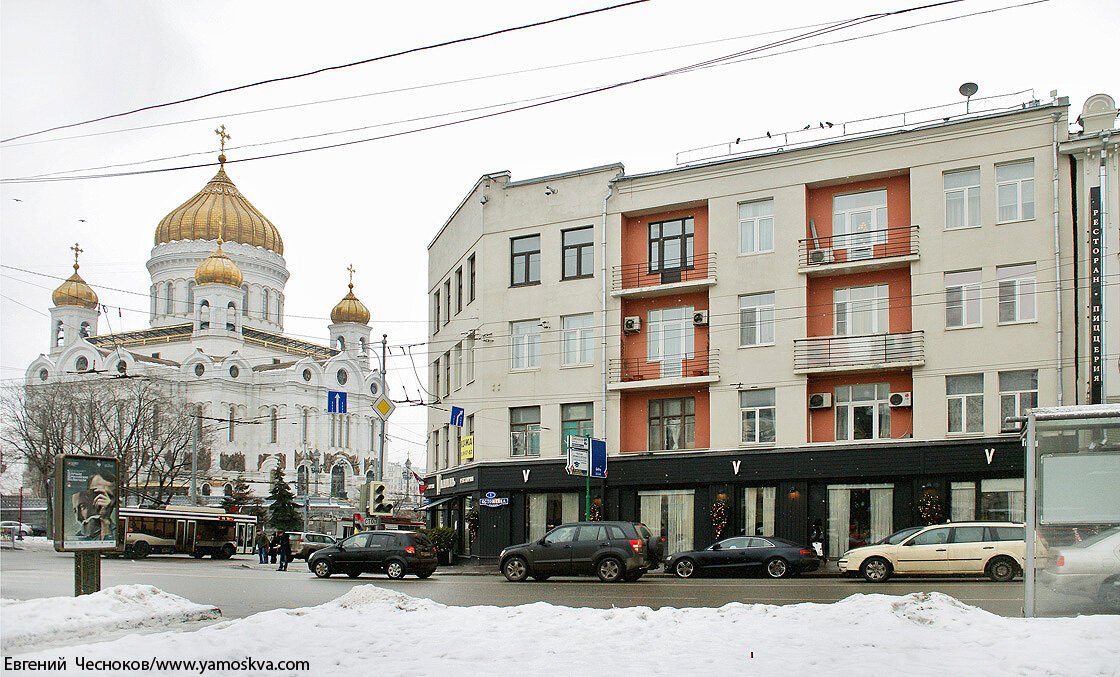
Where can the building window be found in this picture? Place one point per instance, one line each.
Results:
(470, 279)
(758, 510)
(468, 366)
(1003, 500)
(1015, 191)
(962, 198)
(435, 310)
(578, 252)
(670, 339)
(670, 245)
(756, 227)
(756, 319)
(458, 290)
(672, 423)
(575, 419)
(525, 344)
(757, 410)
(1016, 293)
(232, 422)
(272, 426)
(447, 373)
(169, 300)
(190, 293)
(965, 401)
(458, 371)
(525, 431)
(859, 221)
(861, 310)
(525, 260)
(447, 300)
(1018, 392)
(338, 482)
(435, 448)
(435, 377)
(245, 299)
(962, 299)
(302, 481)
(577, 339)
(548, 511)
(863, 412)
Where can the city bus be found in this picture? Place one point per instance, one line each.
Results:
(193, 530)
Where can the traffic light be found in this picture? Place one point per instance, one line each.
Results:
(363, 497)
(378, 505)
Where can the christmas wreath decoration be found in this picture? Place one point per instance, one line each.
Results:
(472, 522)
(719, 514)
(929, 508)
(596, 514)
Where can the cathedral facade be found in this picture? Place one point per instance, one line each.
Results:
(216, 340)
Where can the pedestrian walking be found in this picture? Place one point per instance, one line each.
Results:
(816, 539)
(283, 548)
(261, 545)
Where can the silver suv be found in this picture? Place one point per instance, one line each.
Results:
(306, 542)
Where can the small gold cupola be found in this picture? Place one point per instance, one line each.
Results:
(350, 309)
(218, 268)
(74, 291)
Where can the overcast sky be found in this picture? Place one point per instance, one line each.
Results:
(378, 204)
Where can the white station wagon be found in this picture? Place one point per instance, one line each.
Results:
(993, 549)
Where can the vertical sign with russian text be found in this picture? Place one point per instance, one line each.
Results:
(1096, 300)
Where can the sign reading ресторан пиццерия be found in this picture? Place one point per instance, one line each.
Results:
(1096, 299)
(86, 499)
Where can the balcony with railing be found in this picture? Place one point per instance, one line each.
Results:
(859, 251)
(631, 373)
(638, 280)
(829, 354)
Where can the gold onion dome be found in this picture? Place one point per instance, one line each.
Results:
(75, 292)
(218, 269)
(350, 309)
(219, 202)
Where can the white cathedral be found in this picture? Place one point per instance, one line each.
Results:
(217, 321)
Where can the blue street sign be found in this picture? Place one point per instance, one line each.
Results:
(336, 402)
(598, 458)
(457, 416)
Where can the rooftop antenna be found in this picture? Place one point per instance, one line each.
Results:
(967, 90)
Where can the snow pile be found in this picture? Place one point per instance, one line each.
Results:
(52, 619)
(919, 634)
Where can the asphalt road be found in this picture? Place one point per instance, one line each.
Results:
(241, 587)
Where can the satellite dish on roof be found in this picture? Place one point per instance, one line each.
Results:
(967, 90)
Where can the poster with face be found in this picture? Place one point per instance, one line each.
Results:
(86, 501)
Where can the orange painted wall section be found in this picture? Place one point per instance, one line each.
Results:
(822, 422)
(818, 205)
(634, 345)
(635, 241)
(634, 428)
(819, 299)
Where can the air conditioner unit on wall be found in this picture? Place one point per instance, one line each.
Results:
(632, 325)
(820, 256)
(820, 400)
(900, 399)
(700, 318)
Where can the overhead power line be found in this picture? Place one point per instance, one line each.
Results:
(326, 69)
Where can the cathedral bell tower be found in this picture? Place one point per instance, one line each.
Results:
(350, 325)
(75, 310)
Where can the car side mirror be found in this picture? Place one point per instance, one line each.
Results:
(717, 546)
(542, 541)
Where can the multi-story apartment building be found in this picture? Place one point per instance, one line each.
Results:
(833, 330)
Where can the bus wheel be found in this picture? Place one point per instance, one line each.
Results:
(198, 554)
(141, 549)
(225, 553)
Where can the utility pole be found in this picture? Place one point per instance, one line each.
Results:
(194, 457)
(381, 438)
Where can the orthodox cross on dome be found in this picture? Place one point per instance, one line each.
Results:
(77, 250)
(223, 137)
(351, 269)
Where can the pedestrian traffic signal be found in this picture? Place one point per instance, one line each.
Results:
(378, 504)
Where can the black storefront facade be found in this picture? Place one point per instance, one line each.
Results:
(856, 491)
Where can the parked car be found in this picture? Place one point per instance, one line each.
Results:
(306, 542)
(20, 528)
(742, 555)
(994, 549)
(614, 551)
(1089, 569)
(396, 553)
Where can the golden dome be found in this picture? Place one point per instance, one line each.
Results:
(218, 269)
(350, 309)
(219, 202)
(75, 292)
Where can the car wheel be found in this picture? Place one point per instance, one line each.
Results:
(632, 576)
(777, 568)
(424, 574)
(684, 568)
(541, 577)
(395, 570)
(610, 570)
(322, 568)
(1110, 593)
(515, 569)
(875, 570)
(1002, 569)
(141, 549)
(353, 573)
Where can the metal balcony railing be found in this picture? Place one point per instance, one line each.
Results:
(845, 353)
(630, 369)
(638, 275)
(857, 247)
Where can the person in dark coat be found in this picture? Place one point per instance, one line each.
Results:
(261, 546)
(283, 547)
(816, 540)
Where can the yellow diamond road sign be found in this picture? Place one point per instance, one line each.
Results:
(384, 407)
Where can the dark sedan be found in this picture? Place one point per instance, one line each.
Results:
(744, 555)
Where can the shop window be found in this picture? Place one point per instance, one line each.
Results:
(758, 510)
(547, 511)
(669, 513)
(1002, 500)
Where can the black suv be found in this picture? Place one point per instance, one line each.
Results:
(395, 552)
(613, 551)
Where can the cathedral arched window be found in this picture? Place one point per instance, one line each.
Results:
(231, 317)
(362, 344)
(265, 302)
(155, 293)
(347, 432)
(190, 294)
(232, 421)
(302, 480)
(228, 490)
(272, 426)
(84, 330)
(245, 299)
(59, 333)
(204, 315)
(205, 489)
(341, 343)
(279, 306)
(303, 433)
(169, 300)
(338, 482)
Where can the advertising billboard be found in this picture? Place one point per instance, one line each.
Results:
(86, 502)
